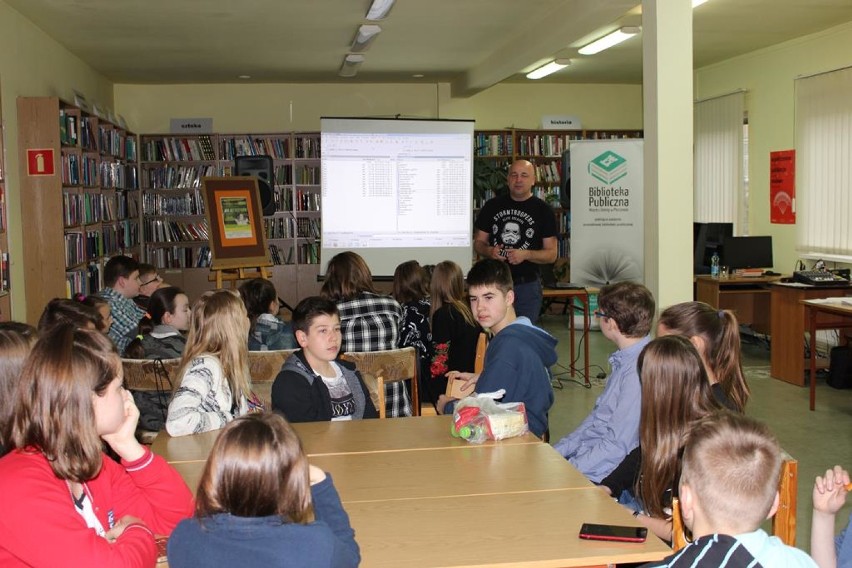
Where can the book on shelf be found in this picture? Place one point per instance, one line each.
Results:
(4, 271)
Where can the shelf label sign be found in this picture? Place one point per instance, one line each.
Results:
(40, 162)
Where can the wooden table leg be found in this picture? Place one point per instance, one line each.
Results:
(812, 319)
(587, 324)
(571, 327)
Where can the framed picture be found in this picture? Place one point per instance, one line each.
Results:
(232, 207)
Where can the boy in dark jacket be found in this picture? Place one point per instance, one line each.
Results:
(518, 357)
(313, 384)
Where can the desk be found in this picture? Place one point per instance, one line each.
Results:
(330, 438)
(511, 503)
(787, 358)
(569, 294)
(748, 298)
(824, 315)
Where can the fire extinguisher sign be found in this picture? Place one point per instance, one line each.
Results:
(40, 162)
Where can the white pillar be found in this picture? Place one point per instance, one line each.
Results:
(667, 81)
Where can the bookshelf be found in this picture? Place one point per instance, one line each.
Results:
(5, 288)
(495, 150)
(174, 236)
(82, 213)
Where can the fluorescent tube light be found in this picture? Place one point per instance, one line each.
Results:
(609, 40)
(364, 37)
(549, 68)
(379, 10)
(350, 65)
(696, 3)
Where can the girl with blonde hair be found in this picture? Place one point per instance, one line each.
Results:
(215, 384)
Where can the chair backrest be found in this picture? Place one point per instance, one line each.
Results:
(378, 368)
(784, 521)
(150, 374)
(481, 346)
(264, 366)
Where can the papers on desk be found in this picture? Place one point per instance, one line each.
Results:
(838, 301)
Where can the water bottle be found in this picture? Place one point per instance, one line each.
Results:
(714, 265)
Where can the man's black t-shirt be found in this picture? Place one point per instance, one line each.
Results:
(518, 225)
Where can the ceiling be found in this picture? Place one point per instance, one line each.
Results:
(472, 44)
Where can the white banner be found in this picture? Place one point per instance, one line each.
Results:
(607, 231)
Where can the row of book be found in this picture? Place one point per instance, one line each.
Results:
(279, 227)
(280, 255)
(546, 144)
(550, 194)
(563, 222)
(307, 201)
(173, 149)
(160, 230)
(277, 148)
(493, 144)
(189, 203)
(550, 172)
(85, 246)
(4, 271)
(75, 130)
(307, 147)
(87, 208)
(79, 170)
(179, 177)
(118, 175)
(563, 247)
(83, 281)
(308, 253)
(112, 141)
(179, 256)
(120, 236)
(307, 175)
(308, 228)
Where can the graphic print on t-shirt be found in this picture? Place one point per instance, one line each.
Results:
(514, 229)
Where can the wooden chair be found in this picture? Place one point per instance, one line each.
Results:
(151, 376)
(379, 368)
(453, 388)
(784, 521)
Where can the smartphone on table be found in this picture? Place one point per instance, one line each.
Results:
(591, 531)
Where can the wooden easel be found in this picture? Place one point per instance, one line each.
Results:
(234, 274)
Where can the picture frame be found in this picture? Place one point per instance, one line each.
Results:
(233, 211)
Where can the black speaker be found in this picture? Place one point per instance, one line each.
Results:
(565, 182)
(261, 168)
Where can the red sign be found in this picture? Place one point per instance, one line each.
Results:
(40, 162)
(782, 187)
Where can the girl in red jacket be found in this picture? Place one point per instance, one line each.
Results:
(64, 502)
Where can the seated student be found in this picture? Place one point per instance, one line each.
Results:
(313, 384)
(830, 492)
(16, 341)
(65, 503)
(519, 356)
(101, 306)
(369, 321)
(455, 331)
(215, 384)
(161, 330)
(675, 394)
(611, 430)
(716, 335)
(267, 332)
(411, 290)
(728, 487)
(260, 503)
(121, 278)
(149, 282)
(60, 311)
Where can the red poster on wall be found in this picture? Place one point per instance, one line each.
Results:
(782, 187)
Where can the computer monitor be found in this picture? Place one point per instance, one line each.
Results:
(707, 238)
(747, 252)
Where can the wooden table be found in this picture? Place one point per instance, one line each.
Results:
(825, 314)
(569, 295)
(418, 497)
(748, 298)
(788, 326)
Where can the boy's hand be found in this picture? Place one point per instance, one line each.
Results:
(468, 378)
(316, 474)
(442, 402)
(830, 491)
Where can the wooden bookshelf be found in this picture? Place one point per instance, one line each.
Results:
(543, 148)
(5, 277)
(84, 211)
(172, 168)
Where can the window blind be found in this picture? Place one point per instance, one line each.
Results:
(718, 153)
(824, 165)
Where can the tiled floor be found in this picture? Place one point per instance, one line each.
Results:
(817, 439)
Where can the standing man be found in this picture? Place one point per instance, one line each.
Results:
(519, 229)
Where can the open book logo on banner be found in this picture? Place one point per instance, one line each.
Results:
(609, 167)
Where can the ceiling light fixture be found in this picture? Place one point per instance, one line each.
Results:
(364, 37)
(549, 68)
(696, 3)
(379, 10)
(609, 40)
(350, 65)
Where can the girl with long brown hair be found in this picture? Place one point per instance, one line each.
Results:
(257, 485)
(454, 329)
(215, 384)
(716, 336)
(65, 503)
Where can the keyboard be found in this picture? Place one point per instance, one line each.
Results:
(818, 278)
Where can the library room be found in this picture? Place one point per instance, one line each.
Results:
(280, 245)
